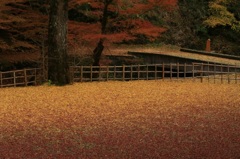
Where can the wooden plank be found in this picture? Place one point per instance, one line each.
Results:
(155, 72)
(123, 72)
(185, 70)
(107, 72)
(202, 73)
(81, 73)
(1, 80)
(14, 79)
(147, 71)
(236, 74)
(228, 74)
(114, 74)
(99, 73)
(208, 72)
(131, 73)
(214, 73)
(221, 74)
(25, 77)
(193, 72)
(163, 71)
(138, 71)
(91, 73)
(35, 74)
(177, 70)
(171, 71)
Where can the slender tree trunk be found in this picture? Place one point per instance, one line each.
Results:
(97, 52)
(99, 48)
(58, 69)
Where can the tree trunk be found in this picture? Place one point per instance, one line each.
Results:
(97, 52)
(58, 69)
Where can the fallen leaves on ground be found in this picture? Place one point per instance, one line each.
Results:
(140, 119)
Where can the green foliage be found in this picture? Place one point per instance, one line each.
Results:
(49, 82)
(185, 26)
(221, 16)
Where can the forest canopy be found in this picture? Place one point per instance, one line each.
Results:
(185, 23)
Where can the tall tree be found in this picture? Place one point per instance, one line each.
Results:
(58, 70)
(112, 21)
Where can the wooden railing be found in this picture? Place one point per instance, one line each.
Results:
(155, 71)
(202, 71)
(217, 72)
(23, 77)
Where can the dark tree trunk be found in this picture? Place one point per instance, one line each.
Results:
(58, 69)
(97, 52)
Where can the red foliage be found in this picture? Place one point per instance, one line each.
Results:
(25, 25)
(125, 20)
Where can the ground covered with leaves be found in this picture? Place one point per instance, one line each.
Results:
(141, 119)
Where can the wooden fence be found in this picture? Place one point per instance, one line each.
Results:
(23, 77)
(201, 71)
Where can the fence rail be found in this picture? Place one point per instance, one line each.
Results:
(23, 77)
(202, 71)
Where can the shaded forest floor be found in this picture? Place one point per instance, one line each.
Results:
(140, 119)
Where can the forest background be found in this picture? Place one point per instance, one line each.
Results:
(24, 27)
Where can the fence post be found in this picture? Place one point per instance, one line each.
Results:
(138, 71)
(235, 73)
(185, 70)
(177, 70)
(147, 71)
(214, 73)
(14, 78)
(25, 77)
(228, 74)
(91, 73)
(202, 73)
(114, 73)
(99, 72)
(35, 74)
(107, 72)
(81, 73)
(155, 72)
(123, 72)
(221, 74)
(131, 72)
(1, 80)
(163, 73)
(208, 72)
(193, 70)
(171, 71)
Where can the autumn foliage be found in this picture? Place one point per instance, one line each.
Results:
(115, 21)
(124, 19)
